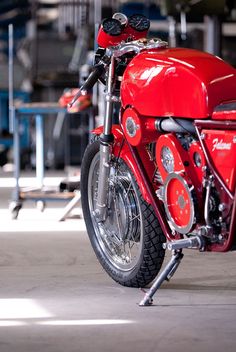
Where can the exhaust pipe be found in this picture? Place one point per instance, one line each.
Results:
(175, 125)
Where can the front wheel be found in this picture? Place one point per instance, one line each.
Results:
(128, 243)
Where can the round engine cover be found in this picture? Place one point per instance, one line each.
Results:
(132, 126)
(170, 155)
(179, 204)
(138, 129)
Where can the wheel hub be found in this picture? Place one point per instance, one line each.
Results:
(119, 235)
(121, 223)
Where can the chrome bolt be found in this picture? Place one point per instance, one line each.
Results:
(221, 207)
(203, 136)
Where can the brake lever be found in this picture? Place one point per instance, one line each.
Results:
(80, 92)
(94, 76)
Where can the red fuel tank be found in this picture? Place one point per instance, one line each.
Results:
(177, 82)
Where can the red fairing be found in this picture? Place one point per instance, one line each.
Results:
(177, 82)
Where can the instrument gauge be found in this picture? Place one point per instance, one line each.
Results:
(139, 23)
(121, 18)
(112, 26)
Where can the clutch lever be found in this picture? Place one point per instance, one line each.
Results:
(77, 95)
(94, 76)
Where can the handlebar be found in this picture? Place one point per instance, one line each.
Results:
(117, 51)
(137, 46)
(94, 76)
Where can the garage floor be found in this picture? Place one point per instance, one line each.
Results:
(55, 297)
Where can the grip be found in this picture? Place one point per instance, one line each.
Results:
(94, 76)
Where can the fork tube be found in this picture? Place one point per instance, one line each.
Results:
(106, 140)
(109, 103)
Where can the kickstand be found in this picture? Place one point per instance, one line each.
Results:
(166, 274)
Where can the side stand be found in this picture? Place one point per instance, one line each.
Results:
(177, 255)
(166, 274)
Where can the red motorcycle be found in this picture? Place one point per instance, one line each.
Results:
(164, 176)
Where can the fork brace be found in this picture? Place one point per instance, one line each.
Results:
(177, 255)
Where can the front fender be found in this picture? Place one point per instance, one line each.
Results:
(121, 149)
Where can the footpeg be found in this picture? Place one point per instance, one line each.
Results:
(191, 242)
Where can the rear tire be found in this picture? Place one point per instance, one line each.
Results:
(128, 244)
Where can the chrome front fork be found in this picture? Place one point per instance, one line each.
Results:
(103, 182)
(106, 140)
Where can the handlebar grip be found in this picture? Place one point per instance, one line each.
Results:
(98, 70)
(89, 83)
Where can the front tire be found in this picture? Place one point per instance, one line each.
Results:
(128, 244)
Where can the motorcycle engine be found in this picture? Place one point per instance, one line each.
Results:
(180, 162)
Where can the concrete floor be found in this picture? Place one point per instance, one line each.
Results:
(54, 296)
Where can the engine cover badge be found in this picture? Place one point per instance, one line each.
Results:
(131, 127)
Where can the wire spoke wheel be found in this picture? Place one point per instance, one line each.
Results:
(128, 243)
(121, 233)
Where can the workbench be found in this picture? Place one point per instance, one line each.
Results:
(38, 111)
